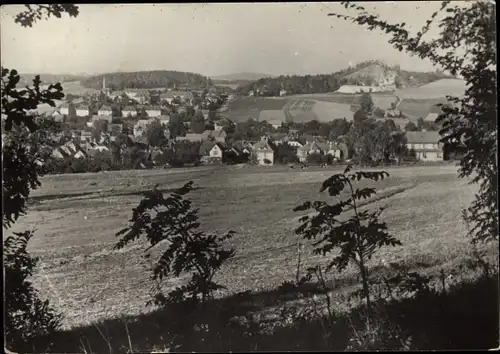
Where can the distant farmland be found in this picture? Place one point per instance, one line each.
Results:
(300, 111)
(415, 102)
(416, 108)
(243, 108)
(434, 90)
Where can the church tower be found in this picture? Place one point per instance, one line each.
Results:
(104, 82)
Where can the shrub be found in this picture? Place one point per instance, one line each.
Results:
(27, 318)
(173, 221)
(358, 237)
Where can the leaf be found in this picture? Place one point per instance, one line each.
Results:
(305, 206)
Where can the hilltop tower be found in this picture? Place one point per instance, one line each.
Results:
(104, 82)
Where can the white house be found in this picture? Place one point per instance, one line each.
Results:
(105, 111)
(425, 145)
(129, 111)
(153, 111)
(264, 152)
(211, 152)
(64, 108)
(82, 111)
(294, 143)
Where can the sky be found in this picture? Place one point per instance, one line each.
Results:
(210, 39)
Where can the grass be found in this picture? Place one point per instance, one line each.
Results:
(89, 281)
(416, 108)
(243, 108)
(434, 90)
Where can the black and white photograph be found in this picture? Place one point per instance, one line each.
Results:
(252, 177)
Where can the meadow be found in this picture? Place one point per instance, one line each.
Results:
(88, 281)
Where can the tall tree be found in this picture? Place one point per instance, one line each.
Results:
(466, 46)
(411, 127)
(366, 103)
(155, 134)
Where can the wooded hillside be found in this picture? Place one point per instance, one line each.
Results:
(149, 79)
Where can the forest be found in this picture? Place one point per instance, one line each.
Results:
(148, 79)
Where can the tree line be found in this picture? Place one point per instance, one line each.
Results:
(148, 79)
(322, 83)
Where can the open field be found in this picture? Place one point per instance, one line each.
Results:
(243, 108)
(416, 108)
(436, 89)
(328, 111)
(89, 281)
(300, 110)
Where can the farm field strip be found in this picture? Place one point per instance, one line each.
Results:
(75, 236)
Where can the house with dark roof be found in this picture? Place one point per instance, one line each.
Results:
(68, 151)
(264, 152)
(425, 145)
(218, 135)
(211, 152)
(338, 151)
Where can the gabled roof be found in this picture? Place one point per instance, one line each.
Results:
(192, 137)
(143, 122)
(262, 145)
(98, 117)
(422, 137)
(207, 146)
(105, 108)
(279, 136)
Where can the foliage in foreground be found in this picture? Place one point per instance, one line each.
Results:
(26, 316)
(358, 237)
(173, 222)
(466, 47)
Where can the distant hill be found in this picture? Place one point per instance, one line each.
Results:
(245, 76)
(148, 79)
(27, 78)
(368, 73)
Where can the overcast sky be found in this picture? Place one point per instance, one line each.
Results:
(211, 39)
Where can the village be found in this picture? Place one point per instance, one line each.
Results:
(182, 127)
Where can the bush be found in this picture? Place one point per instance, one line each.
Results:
(27, 318)
(174, 222)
